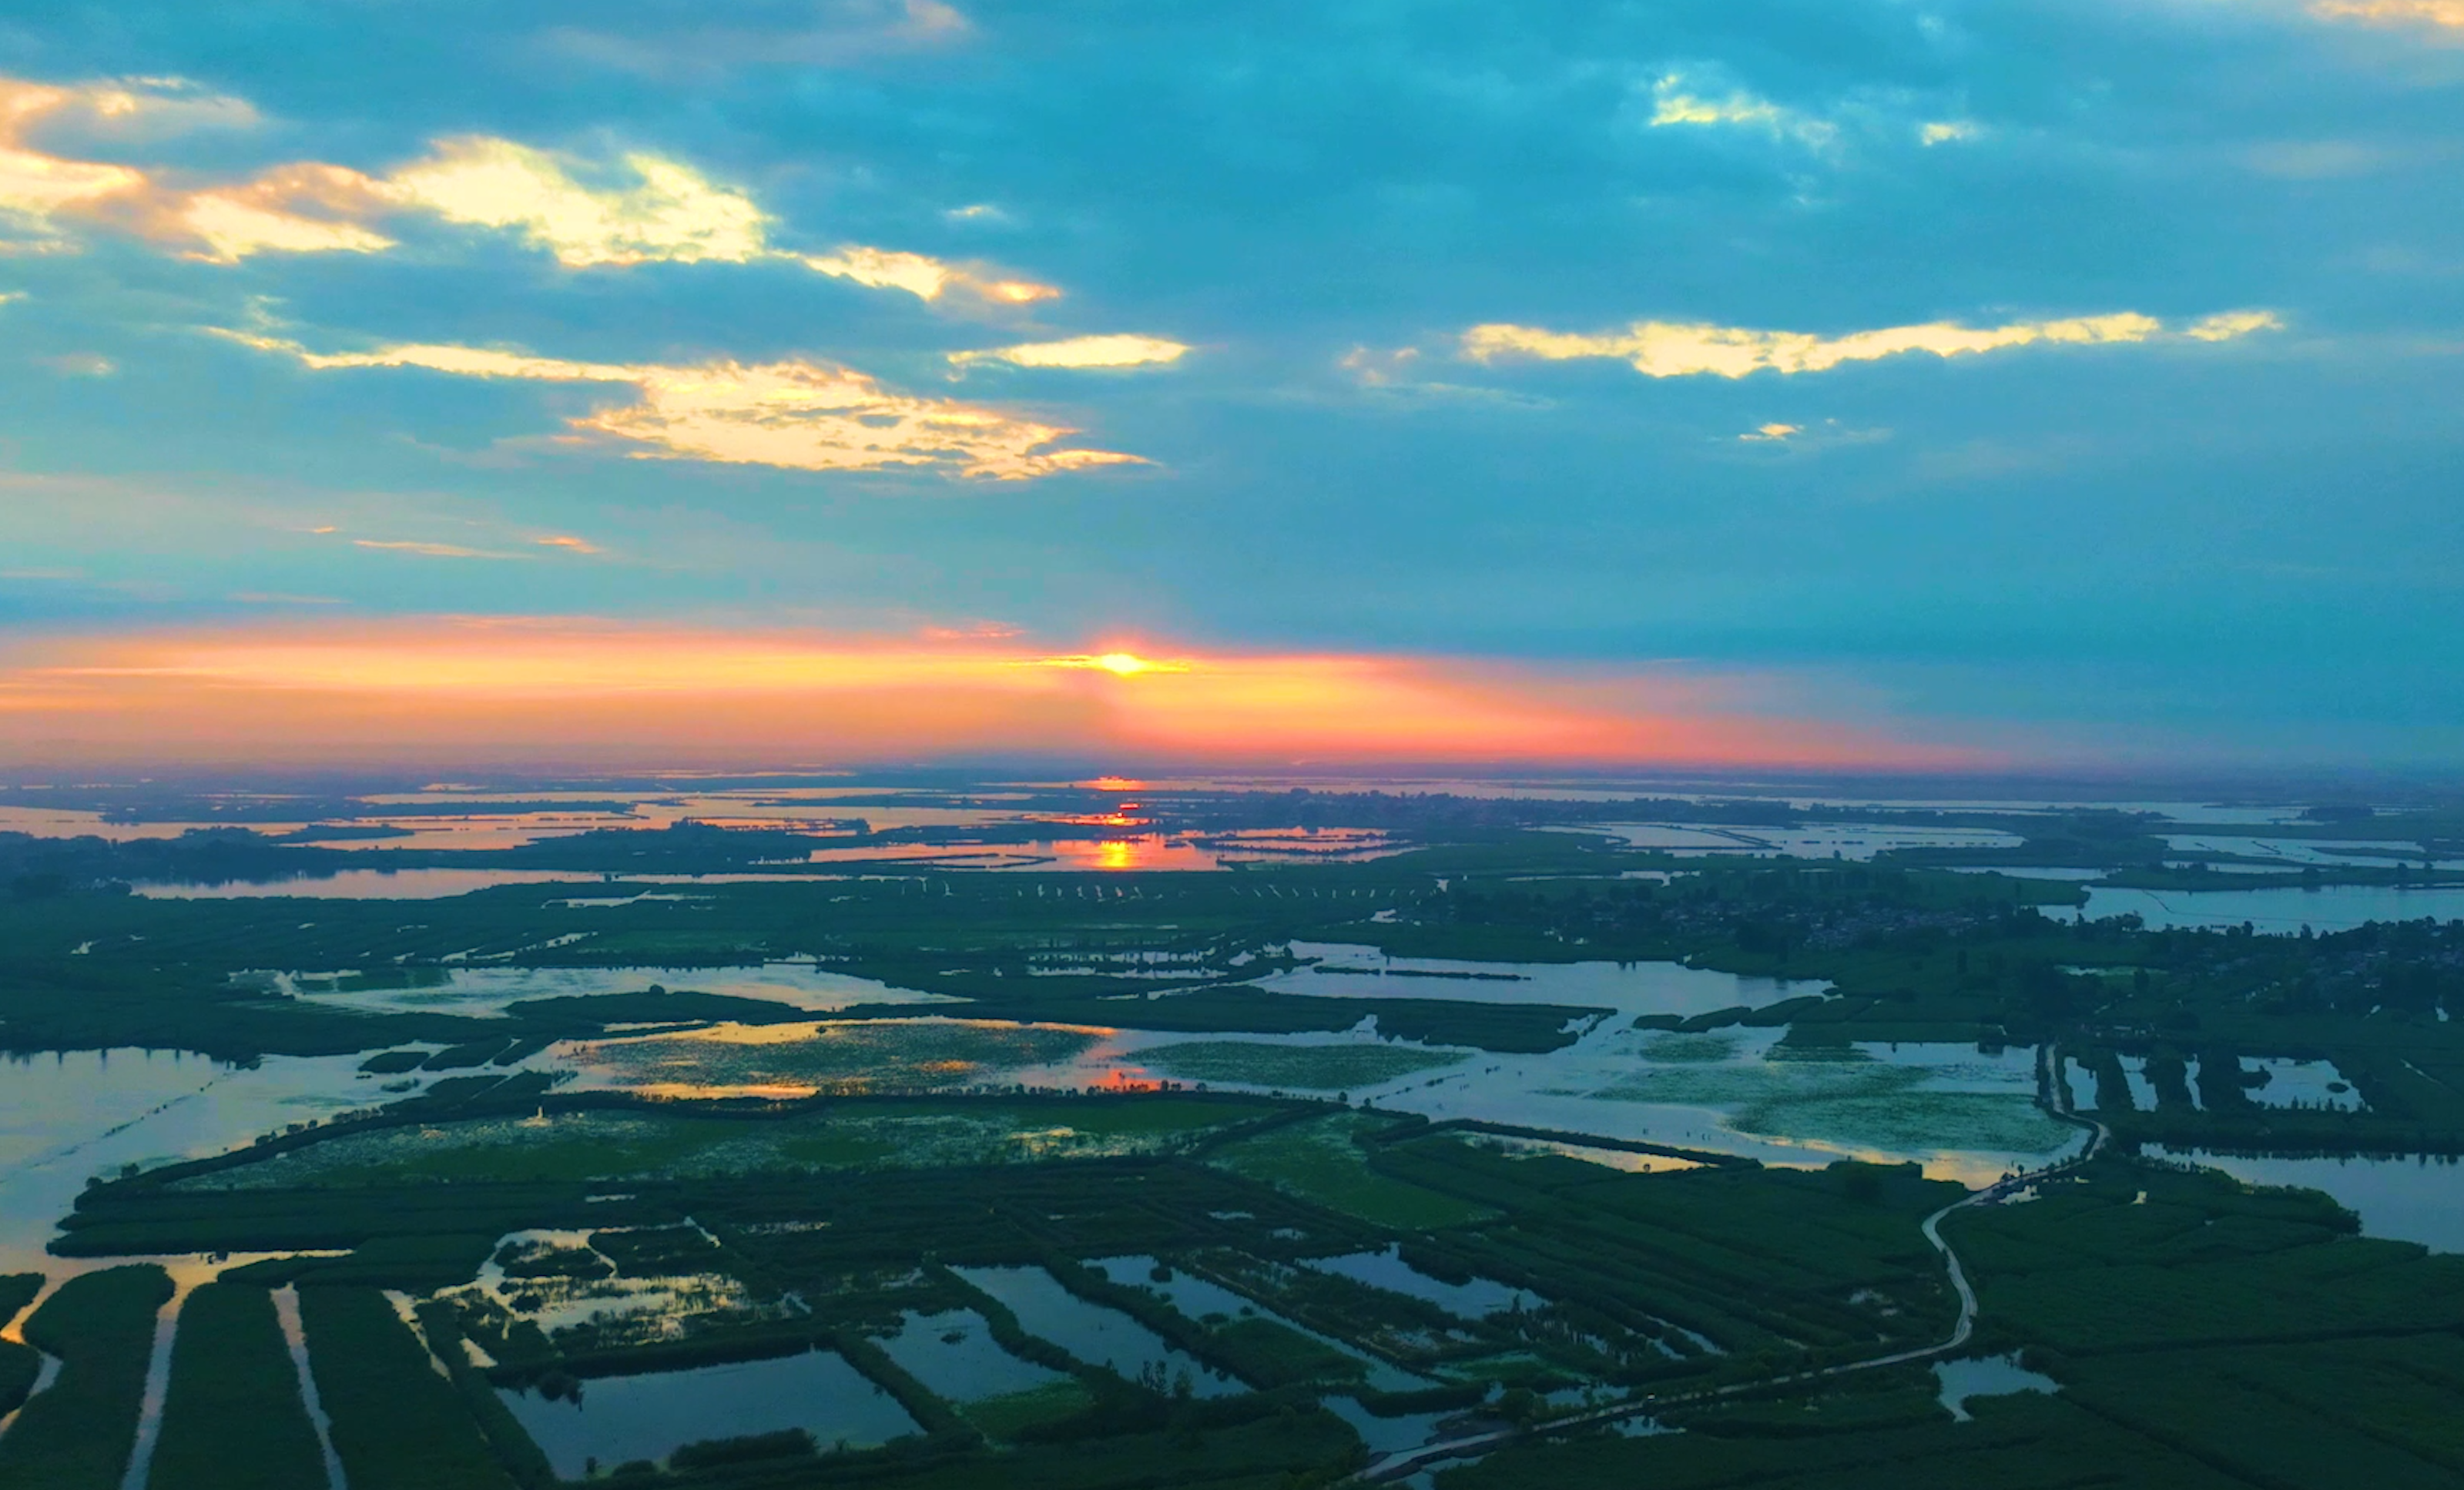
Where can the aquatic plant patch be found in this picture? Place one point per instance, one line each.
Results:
(842, 1056)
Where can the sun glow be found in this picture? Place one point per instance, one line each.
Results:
(1121, 665)
(576, 688)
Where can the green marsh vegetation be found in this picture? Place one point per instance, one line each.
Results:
(397, 1423)
(2202, 1333)
(77, 1433)
(2204, 1302)
(1323, 1161)
(234, 1417)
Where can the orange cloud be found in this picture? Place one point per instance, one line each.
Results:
(575, 691)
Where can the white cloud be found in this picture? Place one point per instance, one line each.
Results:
(1771, 435)
(1676, 100)
(1669, 349)
(795, 414)
(2227, 325)
(1116, 351)
(2393, 13)
(656, 210)
(1948, 131)
(670, 213)
(427, 550)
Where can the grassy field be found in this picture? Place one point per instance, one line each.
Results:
(398, 1425)
(2202, 1334)
(234, 1419)
(1004, 1418)
(1319, 1161)
(78, 1434)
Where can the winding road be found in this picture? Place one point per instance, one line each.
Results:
(2053, 1094)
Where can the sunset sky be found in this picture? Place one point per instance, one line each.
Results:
(1851, 384)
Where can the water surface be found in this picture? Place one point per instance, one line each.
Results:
(622, 1418)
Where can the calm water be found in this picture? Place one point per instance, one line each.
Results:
(1985, 1376)
(67, 1117)
(1092, 1332)
(2416, 1200)
(622, 1418)
(2331, 907)
(487, 992)
(1475, 1300)
(1855, 842)
(954, 1354)
(1628, 988)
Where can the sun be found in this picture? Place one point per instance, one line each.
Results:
(1120, 665)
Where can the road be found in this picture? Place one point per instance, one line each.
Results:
(2053, 1094)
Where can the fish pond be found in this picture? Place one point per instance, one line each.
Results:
(614, 1420)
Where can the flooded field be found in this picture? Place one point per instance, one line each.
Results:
(1853, 842)
(619, 1419)
(2327, 908)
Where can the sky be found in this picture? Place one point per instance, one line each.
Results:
(1854, 383)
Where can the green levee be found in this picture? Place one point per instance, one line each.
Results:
(234, 1419)
(76, 1434)
(397, 1424)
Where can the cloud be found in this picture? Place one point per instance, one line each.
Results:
(427, 550)
(1112, 351)
(840, 31)
(795, 414)
(570, 544)
(1672, 349)
(1676, 102)
(643, 208)
(270, 598)
(41, 188)
(669, 214)
(2393, 13)
(924, 277)
(1948, 131)
(1771, 435)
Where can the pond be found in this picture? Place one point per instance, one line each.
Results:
(954, 1354)
(1474, 1300)
(2406, 1200)
(622, 1418)
(1094, 1334)
(1211, 1302)
(2328, 907)
(1985, 1376)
